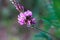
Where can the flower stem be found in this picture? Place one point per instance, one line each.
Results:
(47, 33)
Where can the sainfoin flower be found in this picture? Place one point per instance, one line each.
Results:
(26, 18)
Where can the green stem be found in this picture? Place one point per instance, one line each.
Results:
(47, 33)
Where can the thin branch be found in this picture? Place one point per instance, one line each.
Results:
(46, 32)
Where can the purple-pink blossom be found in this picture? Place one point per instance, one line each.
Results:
(26, 18)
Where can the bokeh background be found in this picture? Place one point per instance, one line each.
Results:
(46, 12)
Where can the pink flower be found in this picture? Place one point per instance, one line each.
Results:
(23, 17)
(26, 18)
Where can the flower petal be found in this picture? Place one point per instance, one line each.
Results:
(22, 15)
(29, 23)
(21, 23)
(33, 21)
(28, 13)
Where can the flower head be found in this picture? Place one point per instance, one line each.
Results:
(26, 18)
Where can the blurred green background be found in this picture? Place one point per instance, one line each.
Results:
(46, 12)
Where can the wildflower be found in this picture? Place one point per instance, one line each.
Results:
(23, 17)
(26, 18)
